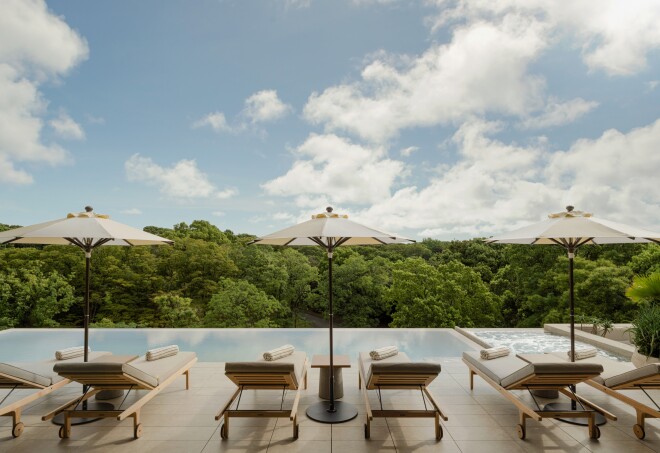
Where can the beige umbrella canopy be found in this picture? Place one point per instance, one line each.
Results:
(330, 230)
(86, 230)
(572, 229)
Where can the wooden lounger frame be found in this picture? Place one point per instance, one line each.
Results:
(546, 381)
(262, 381)
(642, 410)
(400, 381)
(99, 382)
(14, 409)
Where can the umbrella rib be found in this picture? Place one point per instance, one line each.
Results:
(341, 241)
(285, 244)
(317, 240)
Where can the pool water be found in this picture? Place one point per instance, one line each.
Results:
(222, 345)
(536, 342)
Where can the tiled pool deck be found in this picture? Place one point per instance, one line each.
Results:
(183, 421)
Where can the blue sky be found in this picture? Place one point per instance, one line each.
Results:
(438, 118)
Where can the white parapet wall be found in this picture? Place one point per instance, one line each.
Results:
(621, 348)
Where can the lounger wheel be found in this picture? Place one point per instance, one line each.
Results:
(64, 433)
(17, 430)
(639, 431)
(137, 431)
(521, 432)
(440, 433)
(295, 431)
(367, 433)
(223, 431)
(594, 433)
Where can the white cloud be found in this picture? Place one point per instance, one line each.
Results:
(218, 213)
(215, 120)
(496, 187)
(35, 46)
(407, 152)
(653, 84)
(615, 36)
(132, 211)
(264, 106)
(65, 127)
(614, 176)
(482, 70)
(328, 167)
(181, 181)
(557, 113)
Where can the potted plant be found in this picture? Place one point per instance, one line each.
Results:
(645, 335)
(645, 330)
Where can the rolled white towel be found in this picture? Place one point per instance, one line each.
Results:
(493, 353)
(161, 353)
(278, 353)
(383, 353)
(583, 353)
(70, 353)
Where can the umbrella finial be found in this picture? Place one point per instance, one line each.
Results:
(569, 208)
(329, 209)
(88, 209)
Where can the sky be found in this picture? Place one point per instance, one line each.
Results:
(445, 119)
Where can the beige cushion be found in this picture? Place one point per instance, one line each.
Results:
(508, 370)
(40, 373)
(149, 372)
(294, 363)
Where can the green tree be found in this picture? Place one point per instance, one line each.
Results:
(31, 298)
(238, 303)
(176, 311)
(440, 296)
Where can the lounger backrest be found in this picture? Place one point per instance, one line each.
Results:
(411, 374)
(551, 375)
(36, 374)
(396, 371)
(285, 372)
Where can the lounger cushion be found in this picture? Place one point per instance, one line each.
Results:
(496, 369)
(617, 373)
(41, 373)
(294, 363)
(149, 372)
(506, 371)
(398, 364)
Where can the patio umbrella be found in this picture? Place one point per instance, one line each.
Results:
(572, 229)
(329, 231)
(86, 230)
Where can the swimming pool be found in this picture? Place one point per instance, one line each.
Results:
(523, 341)
(222, 345)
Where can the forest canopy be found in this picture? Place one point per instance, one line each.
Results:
(213, 278)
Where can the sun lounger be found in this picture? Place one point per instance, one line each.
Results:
(282, 374)
(120, 372)
(625, 376)
(396, 373)
(538, 372)
(32, 375)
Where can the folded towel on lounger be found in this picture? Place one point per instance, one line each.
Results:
(278, 353)
(383, 353)
(583, 353)
(70, 353)
(493, 353)
(161, 353)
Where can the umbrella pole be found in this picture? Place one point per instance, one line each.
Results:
(331, 411)
(59, 419)
(332, 315)
(88, 265)
(599, 419)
